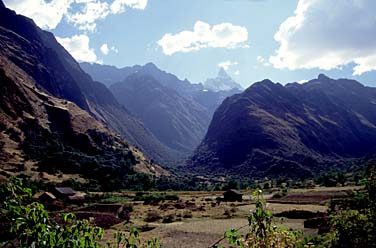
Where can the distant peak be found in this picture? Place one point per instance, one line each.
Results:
(323, 77)
(150, 65)
(223, 82)
(222, 73)
(265, 82)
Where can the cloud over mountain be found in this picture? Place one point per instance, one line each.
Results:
(83, 14)
(89, 13)
(327, 35)
(227, 64)
(78, 46)
(105, 49)
(118, 6)
(223, 35)
(46, 14)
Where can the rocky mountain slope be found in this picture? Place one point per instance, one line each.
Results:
(110, 75)
(48, 121)
(178, 122)
(176, 111)
(290, 130)
(223, 82)
(39, 54)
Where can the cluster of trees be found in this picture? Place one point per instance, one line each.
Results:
(95, 156)
(352, 224)
(27, 224)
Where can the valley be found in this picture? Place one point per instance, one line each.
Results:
(98, 155)
(201, 218)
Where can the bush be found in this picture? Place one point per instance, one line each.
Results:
(227, 213)
(277, 196)
(25, 225)
(153, 216)
(150, 199)
(172, 197)
(262, 233)
(168, 218)
(187, 214)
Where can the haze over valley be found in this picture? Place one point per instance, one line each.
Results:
(185, 120)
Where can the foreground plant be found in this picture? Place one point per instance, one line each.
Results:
(262, 234)
(26, 225)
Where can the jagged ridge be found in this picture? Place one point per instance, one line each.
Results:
(290, 130)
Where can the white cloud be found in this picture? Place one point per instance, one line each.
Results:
(118, 6)
(83, 14)
(237, 73)
(91, 11)
(45, 14)
(226, 64)
(105, 49)
(223, 35)
(327, 35)
(78, 47)
(302, 81)
(262, 61)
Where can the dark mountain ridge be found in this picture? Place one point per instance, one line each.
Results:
(39, 54)
(176, 111)
(293, 129)
(178, 122)
(42, 133)
(110, 75)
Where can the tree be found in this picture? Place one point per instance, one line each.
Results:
(262, 233)
(29, 225)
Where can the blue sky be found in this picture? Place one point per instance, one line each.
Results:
(190, 38)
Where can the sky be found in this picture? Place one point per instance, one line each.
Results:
(283, 40)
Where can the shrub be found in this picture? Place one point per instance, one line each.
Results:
(262, 233)
(172, 197)
(152, 216)
(277, 195)
(150, 199)
(227, 213)
(29, 225)
(187, 214)
(168, 218)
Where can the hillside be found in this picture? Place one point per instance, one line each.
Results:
(223, 82)
(176, 111)
(178, 122)
(290, 130)
(39, 54)
(45, 125)
(110, 75)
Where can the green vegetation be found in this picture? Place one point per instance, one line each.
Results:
(352, 224)
(155, 198)
(28, 224)
(353, 219)
(262, 233)
(107, 164)
(350, 221)
(115, 199)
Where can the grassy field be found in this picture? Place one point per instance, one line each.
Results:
(197, 219)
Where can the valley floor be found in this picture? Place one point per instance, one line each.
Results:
(208, 221)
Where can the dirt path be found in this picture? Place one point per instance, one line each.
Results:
(202, 233)
(196, 233)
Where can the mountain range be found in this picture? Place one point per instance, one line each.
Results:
(55, 117)
(291, 130)
(176, 111)
(223, 82)
(106, 124)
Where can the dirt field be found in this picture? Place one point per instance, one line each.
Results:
(198, 220)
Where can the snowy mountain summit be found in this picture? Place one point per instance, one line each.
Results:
(223, 82)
